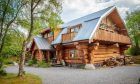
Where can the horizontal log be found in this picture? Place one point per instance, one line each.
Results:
(104, 53)
(74, 61)
(97, 61)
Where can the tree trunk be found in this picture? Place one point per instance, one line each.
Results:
(22, 60)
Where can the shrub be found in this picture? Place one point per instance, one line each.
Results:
(43, 64)
(1, 62)
(133, 51)
(8, 61)
(36, 63)
(2, 72)
(32, 62)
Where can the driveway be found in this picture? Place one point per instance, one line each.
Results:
(65, 75)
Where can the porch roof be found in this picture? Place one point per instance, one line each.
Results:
(42, 43)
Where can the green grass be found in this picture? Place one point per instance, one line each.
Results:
(13, 79)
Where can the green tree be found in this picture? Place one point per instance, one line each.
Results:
(35, 15)
(13, 42)
(9, 10)
(133, 26)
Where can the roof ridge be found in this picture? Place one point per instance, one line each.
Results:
(90, 14)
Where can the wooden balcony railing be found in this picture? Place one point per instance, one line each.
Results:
(106, 35)
(50, 39)
(68, 36)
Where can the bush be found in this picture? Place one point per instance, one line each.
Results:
(1, 62)
(32, 62)
(133, 51)
(8, 61)
(36, 63)
(43, 64)
(2, 72)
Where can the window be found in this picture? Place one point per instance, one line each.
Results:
(72, 29)
(76, 29)
(73, 53)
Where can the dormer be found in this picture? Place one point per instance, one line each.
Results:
(49, 34)
(71, 32)
(75, 28)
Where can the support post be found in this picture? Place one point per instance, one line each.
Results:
(83, 48)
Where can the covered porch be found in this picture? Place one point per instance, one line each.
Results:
(41, 49)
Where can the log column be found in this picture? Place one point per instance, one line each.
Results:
(83, 51)
(48, 56)
(40, 55)
(59, 53)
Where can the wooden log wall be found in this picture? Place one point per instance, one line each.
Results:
(56, 32)
(69, 59)
(38, 55)
(104, 52)
(82, 54)
(59, 53)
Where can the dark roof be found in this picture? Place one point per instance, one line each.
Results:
(89, 23)
(42, 43)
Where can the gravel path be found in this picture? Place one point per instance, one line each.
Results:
(65, 75)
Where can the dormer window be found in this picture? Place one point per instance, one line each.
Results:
(72, 29)
(75, 28)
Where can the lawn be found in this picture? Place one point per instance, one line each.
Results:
(13, 79)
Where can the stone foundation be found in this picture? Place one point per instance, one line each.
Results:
(89, 66)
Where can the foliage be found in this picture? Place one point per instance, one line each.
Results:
(31, 13)
(133, 51)
(32, 62)
(36, 63)
(9, 10)
(1, 62)
(43, 64)
(13, 79)
(46, 15)
(133, 26)
(13, 43)
(2, 72)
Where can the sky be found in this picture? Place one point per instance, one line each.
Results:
(73, 9)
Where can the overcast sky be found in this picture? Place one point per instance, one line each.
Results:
(73, 9)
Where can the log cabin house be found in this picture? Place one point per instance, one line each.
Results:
(87, 40)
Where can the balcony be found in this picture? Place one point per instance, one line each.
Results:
(107, 35)
(68, 36)
(50, 39)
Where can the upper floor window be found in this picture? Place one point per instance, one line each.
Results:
(75, 28)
